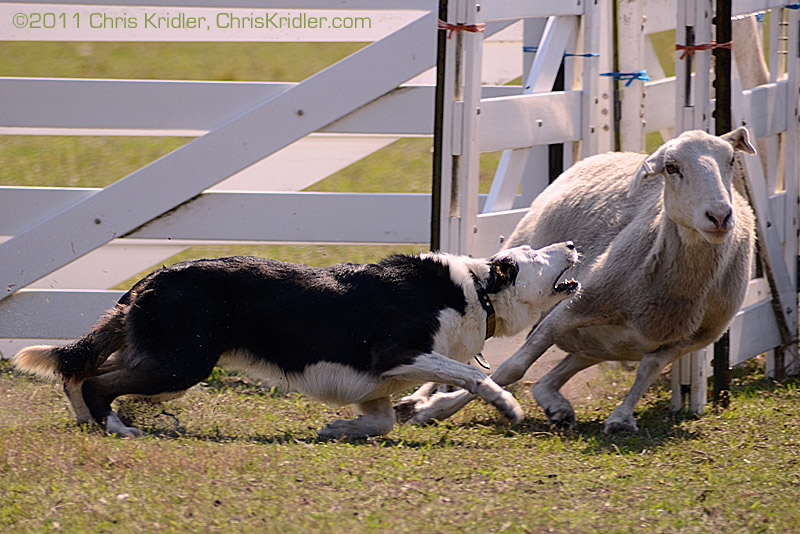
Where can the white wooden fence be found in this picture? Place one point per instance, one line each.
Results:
(382, 92)
(580, 116)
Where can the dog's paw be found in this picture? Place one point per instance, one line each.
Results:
(115, 427)
(335, 431)
(361, 427)
(510, 408)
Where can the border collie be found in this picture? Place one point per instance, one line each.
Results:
(345, 334)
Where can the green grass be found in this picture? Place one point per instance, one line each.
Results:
(273, 62)
(248, 461)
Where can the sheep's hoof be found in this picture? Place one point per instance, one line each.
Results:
(614, 426)
(561, 418)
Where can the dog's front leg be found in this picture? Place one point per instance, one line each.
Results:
(433, 367)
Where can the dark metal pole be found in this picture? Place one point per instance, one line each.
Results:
(438, 125)
(617, 108)
(722, 69)
(722, 125)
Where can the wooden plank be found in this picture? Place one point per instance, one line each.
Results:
(782, 287)
(791, 140)
(744, 7)
(183, 105)
(556, 35)
(110, 265)
(183, 174)
(315, 217)
(257, 216)
(752, 332)
(492, 229)
(90, 103)
(597, 130)
(657, 113)
(630, 53)
(660, 15)
(517, 9)
(529, 120)
(34, 313)
(766, 109)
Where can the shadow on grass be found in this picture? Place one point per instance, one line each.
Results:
(657, 423)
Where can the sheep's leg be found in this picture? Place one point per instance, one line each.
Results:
(556, 407)
(650, 367)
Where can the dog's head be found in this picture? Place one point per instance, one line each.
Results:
(535, 275)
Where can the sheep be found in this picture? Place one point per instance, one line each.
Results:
(666, 244)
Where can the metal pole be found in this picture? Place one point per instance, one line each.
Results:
(722, 69)
(722, 125)
(438, 125)
(615, 66)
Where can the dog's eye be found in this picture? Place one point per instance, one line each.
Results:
(671, 168)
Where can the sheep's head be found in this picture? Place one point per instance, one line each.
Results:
(698, 173)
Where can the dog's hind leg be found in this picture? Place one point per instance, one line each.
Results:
(150, 376)
(433, 367)
(75, 397)
(74, 393)
(376, 419)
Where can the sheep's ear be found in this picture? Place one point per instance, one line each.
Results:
(740, 140)
(502, 273)
(654, 164)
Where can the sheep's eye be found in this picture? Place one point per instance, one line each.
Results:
(733, 160)
(671, 168)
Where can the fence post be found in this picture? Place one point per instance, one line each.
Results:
(438, 124)
(722, 125)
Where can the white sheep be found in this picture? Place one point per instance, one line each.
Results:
(666, 244)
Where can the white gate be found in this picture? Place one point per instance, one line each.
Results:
(583, 116)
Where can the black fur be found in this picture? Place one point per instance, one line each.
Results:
(174, 324)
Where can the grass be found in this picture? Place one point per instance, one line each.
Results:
(248, 461)
(273, 62)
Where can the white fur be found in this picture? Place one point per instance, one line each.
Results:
(75, 398)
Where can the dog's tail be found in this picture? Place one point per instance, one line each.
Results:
(78, 360)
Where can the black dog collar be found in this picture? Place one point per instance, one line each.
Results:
(486, 304)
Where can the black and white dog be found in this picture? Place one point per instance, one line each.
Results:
(346, 334)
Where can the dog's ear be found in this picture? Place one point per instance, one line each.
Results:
(502, 273)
